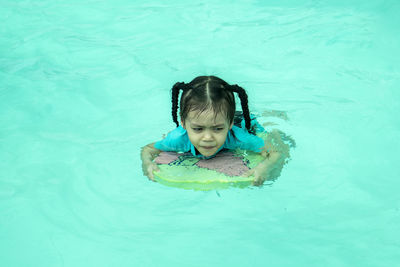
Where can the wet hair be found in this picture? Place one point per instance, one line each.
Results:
(209, 92)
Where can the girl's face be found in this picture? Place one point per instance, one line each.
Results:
(206, 131)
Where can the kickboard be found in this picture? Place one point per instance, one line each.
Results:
(183, 170)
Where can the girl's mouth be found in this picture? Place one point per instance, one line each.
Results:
(208, 147)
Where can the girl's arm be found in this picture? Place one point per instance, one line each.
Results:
(148, 154)
(261, 171)
(274, 150)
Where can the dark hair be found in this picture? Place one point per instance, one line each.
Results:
(205, 92)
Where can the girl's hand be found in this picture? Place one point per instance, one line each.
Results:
(148, 169)
(259, 172)
(263, 169)
(148, 154)
(271, 153)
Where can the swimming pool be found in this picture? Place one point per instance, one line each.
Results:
(85, 85)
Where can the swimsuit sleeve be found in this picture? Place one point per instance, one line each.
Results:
(177, 140)
(243, 140)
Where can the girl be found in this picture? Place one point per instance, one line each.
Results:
(207, 116)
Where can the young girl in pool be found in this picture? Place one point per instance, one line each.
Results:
(207, 117)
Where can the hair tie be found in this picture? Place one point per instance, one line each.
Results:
(180, 85)
(235, 88)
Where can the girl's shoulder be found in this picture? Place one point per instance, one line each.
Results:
(242, 139)
(176, 140)
(177, 132)
(242, 134)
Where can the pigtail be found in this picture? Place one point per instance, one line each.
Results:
(245, 108)
(175, 95)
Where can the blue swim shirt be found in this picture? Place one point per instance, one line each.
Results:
(178, 140)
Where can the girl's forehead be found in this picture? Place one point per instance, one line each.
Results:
(206, 117)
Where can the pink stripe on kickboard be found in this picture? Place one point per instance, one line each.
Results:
(225, 162)
(166, 157)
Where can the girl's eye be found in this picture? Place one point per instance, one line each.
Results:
(197, 129)
(218, 129)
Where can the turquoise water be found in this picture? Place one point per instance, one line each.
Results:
(84, 86)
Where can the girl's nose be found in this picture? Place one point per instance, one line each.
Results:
(207, 136)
